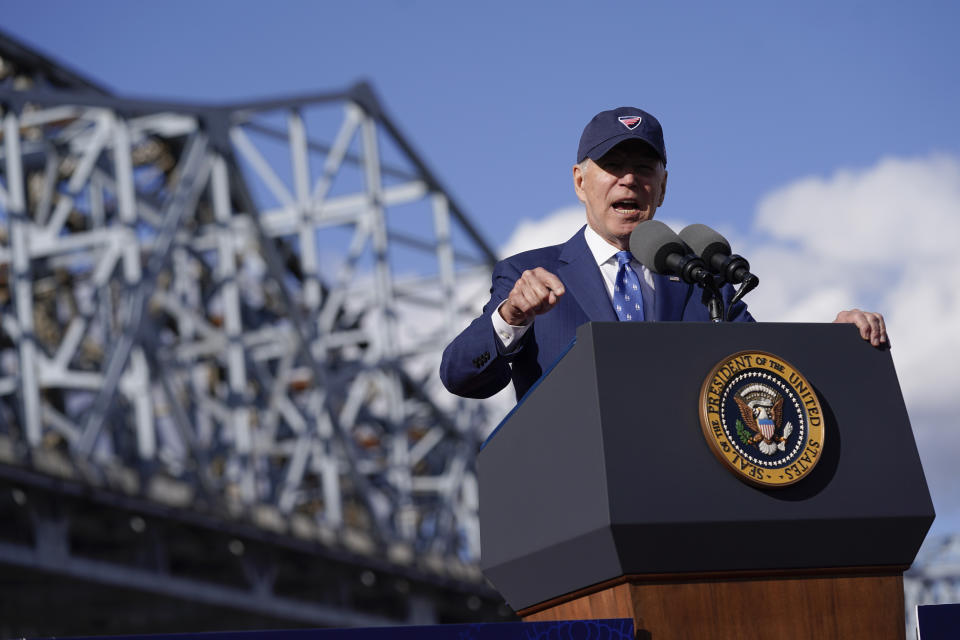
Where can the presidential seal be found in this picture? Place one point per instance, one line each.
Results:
(762, 419)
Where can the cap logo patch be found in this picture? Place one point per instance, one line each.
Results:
(630, 122)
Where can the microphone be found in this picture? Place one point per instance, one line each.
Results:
(714, 249)
(659, 249)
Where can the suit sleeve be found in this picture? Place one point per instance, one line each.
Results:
(474, 365)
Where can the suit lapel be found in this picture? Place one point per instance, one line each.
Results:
(670, 298)
(581, 275)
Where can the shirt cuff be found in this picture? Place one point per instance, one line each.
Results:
(508, 334)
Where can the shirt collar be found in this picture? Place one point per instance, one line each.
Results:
(602, 250)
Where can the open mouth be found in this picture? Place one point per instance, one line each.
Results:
(626, 206)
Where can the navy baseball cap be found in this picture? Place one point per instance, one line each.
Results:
(610, 128)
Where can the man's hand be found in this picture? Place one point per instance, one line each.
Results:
(870, 324)
(535, 292)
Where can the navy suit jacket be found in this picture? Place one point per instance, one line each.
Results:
(474, 365)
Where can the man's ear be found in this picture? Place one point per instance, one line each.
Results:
(578, 183)
(663, 188)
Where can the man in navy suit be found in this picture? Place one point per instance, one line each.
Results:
(540, 297)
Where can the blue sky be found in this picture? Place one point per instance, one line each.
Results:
(823, 136)
(494, 95)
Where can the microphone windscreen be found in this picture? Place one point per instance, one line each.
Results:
(651, 242)
(705, 242)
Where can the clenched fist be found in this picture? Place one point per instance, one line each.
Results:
(535, 292)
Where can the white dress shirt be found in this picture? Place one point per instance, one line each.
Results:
(606, 256)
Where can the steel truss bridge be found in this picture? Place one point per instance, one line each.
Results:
(220, 327)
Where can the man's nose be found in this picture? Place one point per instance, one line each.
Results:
(630, 175)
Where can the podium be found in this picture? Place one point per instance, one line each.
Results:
(600, 496)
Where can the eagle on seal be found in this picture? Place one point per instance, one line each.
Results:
(762, 411)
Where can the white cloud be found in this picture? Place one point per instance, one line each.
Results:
(865, 218)
(881, 238)
(554, 229)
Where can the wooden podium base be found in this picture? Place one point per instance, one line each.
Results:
(857, 603)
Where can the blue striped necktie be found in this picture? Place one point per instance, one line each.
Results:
(627, 299)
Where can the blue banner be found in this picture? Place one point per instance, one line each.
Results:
(616, 629)
(938, 622)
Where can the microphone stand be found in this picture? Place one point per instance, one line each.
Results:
(711, 297)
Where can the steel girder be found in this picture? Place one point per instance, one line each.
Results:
(240, 309)
(117, 564)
